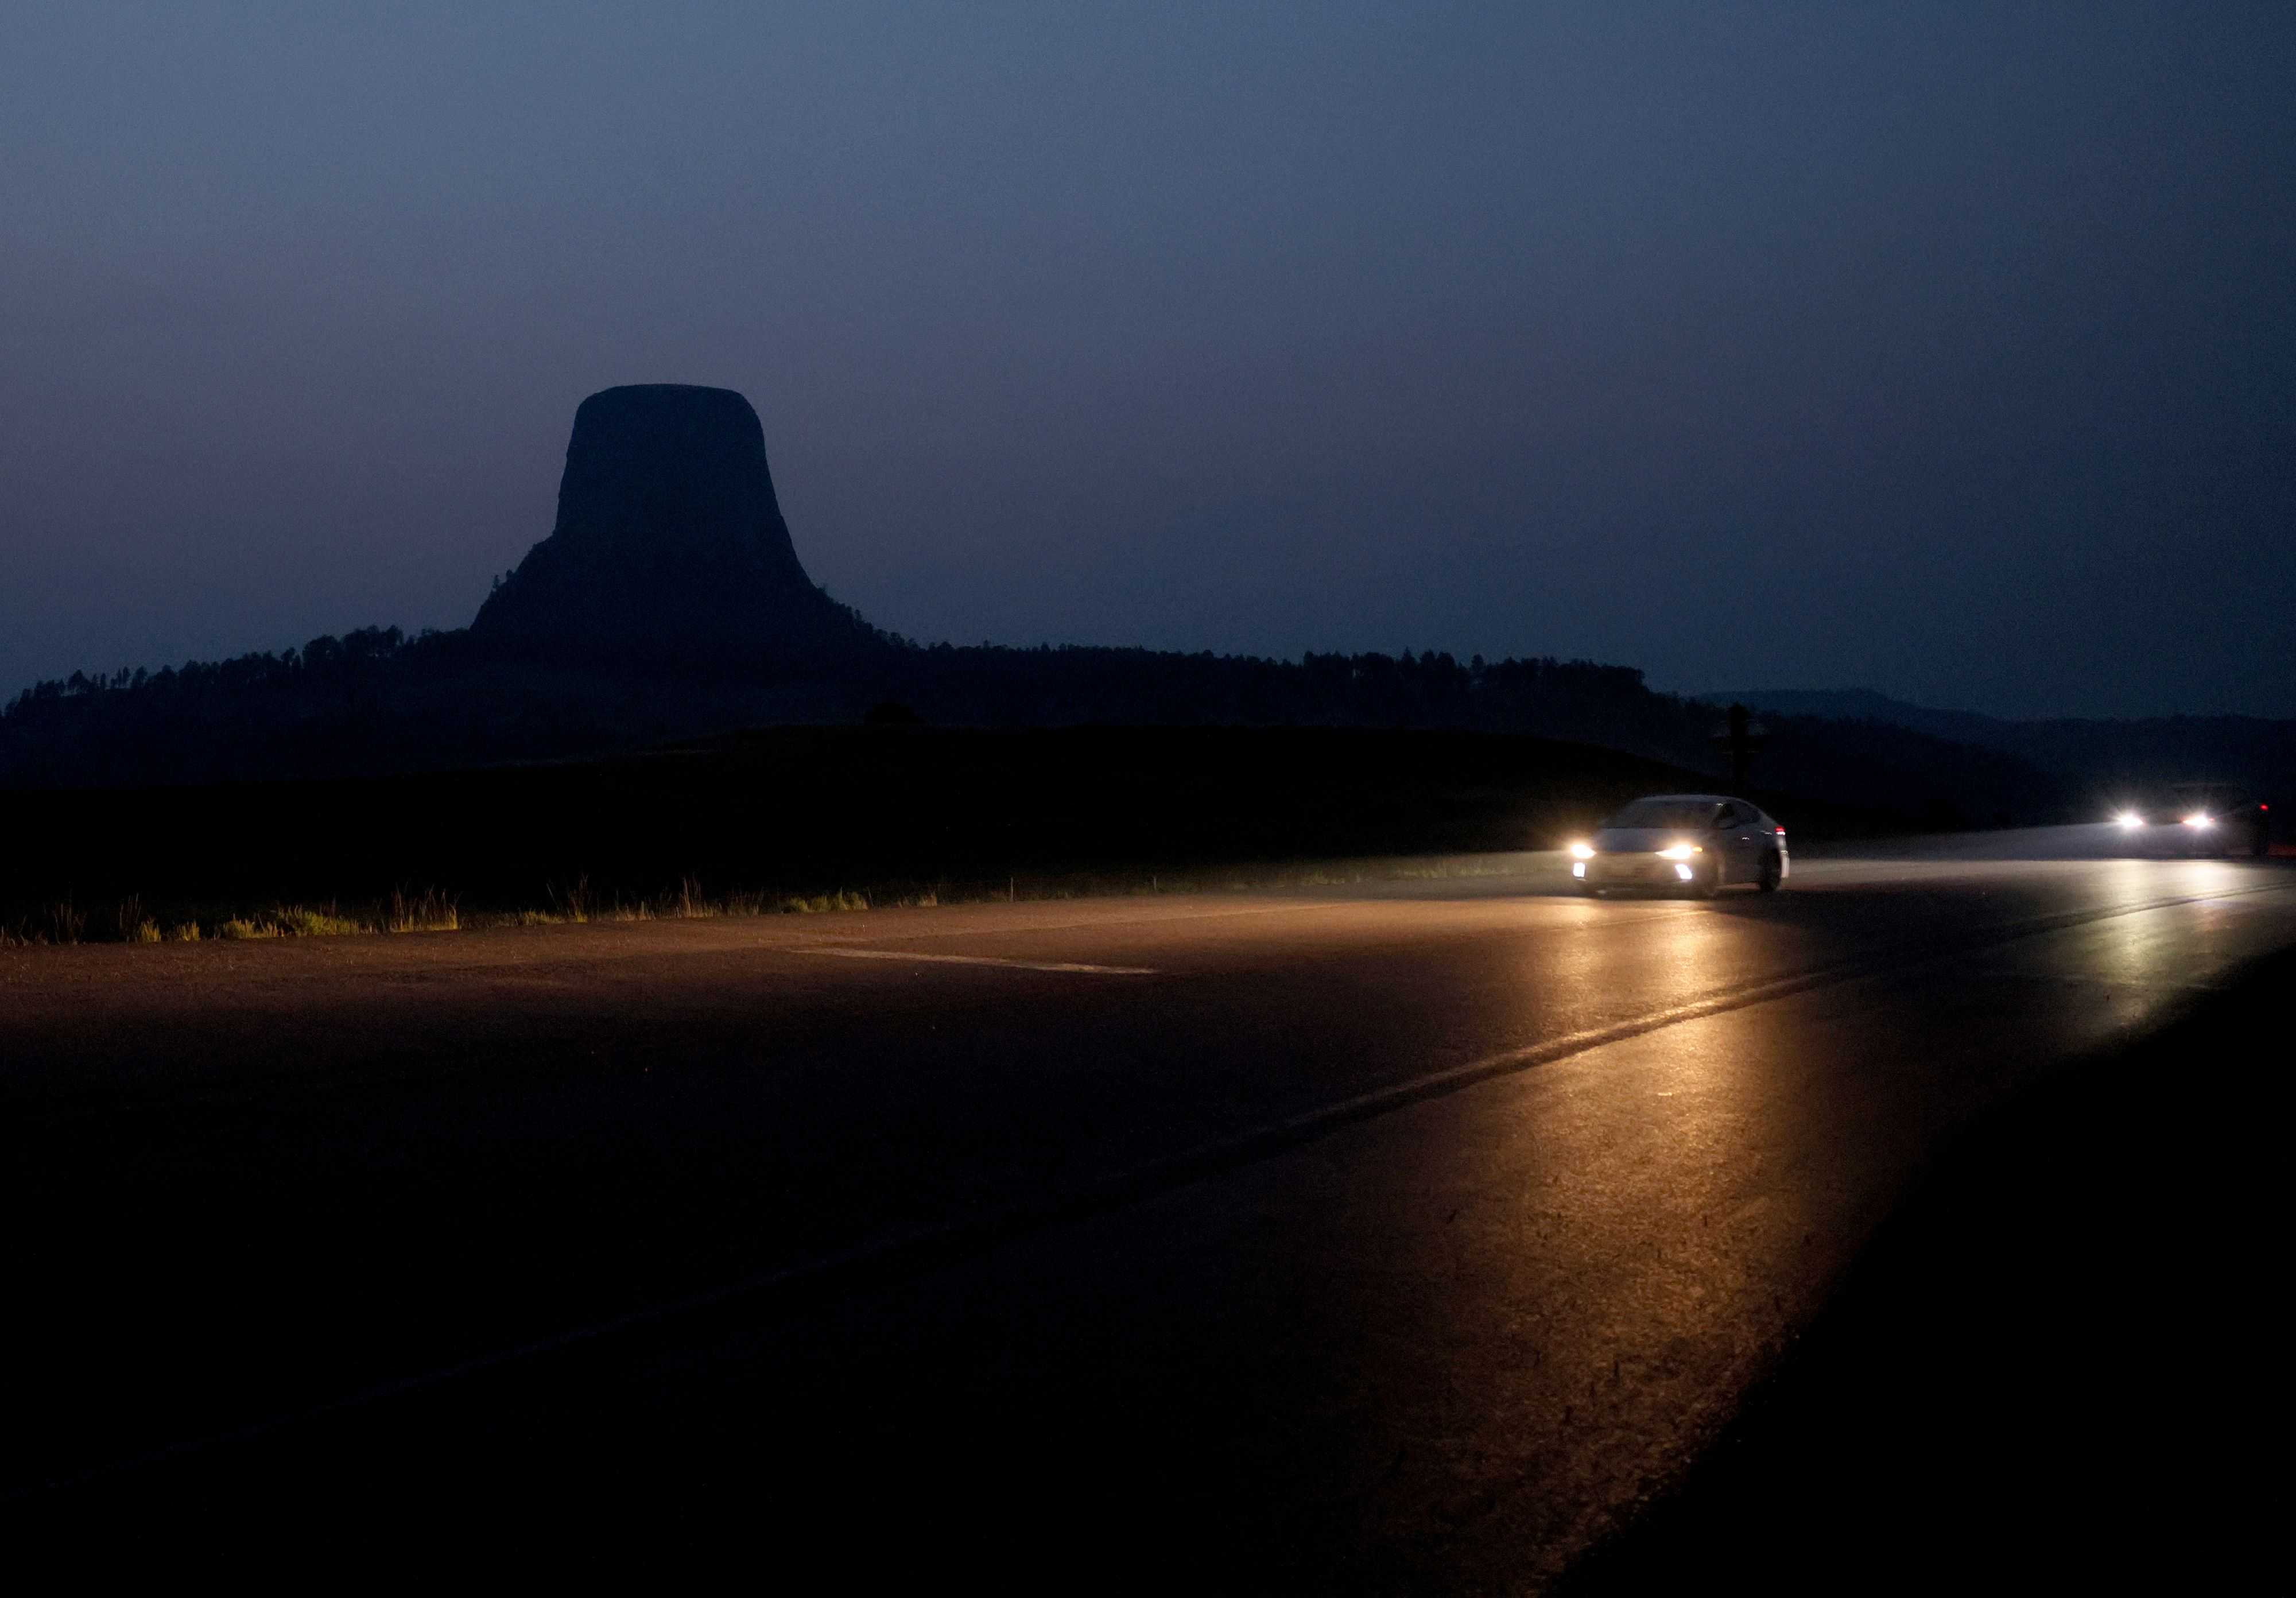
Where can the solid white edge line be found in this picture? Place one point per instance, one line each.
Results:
(1053, 965)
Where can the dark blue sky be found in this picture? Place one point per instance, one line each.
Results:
(1945, 349)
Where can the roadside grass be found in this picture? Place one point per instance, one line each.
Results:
(577, 902)
(132, 922)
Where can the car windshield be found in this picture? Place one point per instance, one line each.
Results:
(1664, 813)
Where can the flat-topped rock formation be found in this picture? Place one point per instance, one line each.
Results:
(669, 546)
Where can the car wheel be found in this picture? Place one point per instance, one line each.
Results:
(1773, 873)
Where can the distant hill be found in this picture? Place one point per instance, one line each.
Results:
(1863, 704)
(2096, 757)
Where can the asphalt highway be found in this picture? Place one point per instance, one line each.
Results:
(1402, 1235)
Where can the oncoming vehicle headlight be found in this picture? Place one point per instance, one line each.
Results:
(2196, 820)
(2128, 819)
(1680, 851)
(1582, 851)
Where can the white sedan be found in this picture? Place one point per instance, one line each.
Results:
(1683, 843)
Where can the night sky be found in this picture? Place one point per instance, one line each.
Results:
(1949, 350)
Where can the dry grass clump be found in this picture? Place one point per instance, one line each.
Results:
(281, 921)
(129, 921)
(823, 903)
(429, 911)
(293, 920)
(572, 904)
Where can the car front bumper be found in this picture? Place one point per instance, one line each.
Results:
(1643, 870)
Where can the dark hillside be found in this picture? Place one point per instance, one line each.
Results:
(806, 810)
(668, 602)
(379, 704)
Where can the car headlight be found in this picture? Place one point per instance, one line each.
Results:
(1582, 851)
(2197, 821)
(2128, 819)
(1680, 851)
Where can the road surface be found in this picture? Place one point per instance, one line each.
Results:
(1403, 1235)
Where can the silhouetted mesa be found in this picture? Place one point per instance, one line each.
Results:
(669, 546)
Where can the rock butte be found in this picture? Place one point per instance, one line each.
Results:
(669, 545)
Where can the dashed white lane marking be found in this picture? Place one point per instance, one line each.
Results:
(1059, 966)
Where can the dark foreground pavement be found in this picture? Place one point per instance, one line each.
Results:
(2064, 1364)
(1410, 1239)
